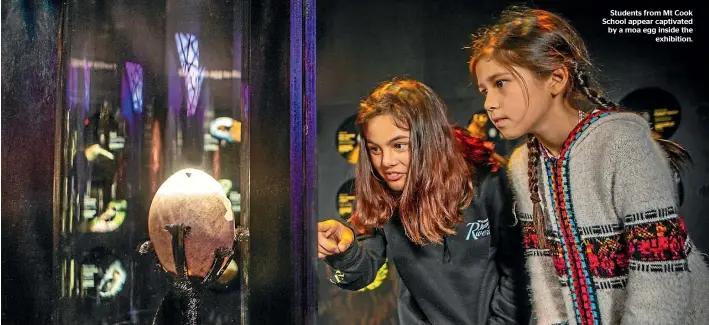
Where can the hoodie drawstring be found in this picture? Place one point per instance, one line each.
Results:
(446, 251)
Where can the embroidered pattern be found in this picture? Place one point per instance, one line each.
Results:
(649, 216)
(663, 240)
(530, 240)
(607, 256)
(531, 246)
(576, 263)
(660, 267)
(603, 284)
(604, 230)
(536, 252)
(570, 265)
(524, 216)
(557, 255)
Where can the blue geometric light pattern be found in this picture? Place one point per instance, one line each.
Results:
(135, 81)
(188, 50)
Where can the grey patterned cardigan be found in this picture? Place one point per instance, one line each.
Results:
(618, 251)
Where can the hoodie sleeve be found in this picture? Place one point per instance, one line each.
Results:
(357, 267)
(510, 303)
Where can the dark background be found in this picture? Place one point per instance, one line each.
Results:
(360, 43)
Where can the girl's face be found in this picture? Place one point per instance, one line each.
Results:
(389, 151)
(514, 110)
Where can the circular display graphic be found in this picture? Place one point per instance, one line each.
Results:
(110, 219)
(226, 129)
(346, 199)
(348, 140)
(102, 274)
(660, 108)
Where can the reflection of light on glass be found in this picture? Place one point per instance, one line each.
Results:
(111, 283)
(135, 80)
(113, 280)
(188, 50)
(116, 142)
(71, 277)
(216, 74)
(156, 147)
(111, 219)
(217, 165)
(87, 276)
(226, 128)
(226, 184)
(90, 206)
(63, 284)
(95, 65)
(234, 196)
(210, 143)
(71, 87)
(190, 181)
(87, 84)
(229, 274)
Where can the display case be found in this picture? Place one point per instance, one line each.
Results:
(148, 88)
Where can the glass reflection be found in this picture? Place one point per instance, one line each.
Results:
(150, 87)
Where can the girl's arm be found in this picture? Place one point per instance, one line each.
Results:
(643, 194)
(357, 266)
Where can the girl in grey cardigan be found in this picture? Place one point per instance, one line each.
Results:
(604, 240)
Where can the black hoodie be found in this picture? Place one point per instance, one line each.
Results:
(475, 277)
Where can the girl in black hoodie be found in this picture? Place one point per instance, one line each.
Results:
(434, 201)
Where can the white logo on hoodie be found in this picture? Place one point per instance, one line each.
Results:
(477, 229)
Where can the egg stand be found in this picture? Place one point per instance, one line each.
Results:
(189, 289)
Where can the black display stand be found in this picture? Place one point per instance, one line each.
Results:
(183, 303)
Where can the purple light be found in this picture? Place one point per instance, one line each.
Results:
(135, 80)
(87, 84)
(71, 87)
(188, 50)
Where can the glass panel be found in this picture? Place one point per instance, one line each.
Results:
(150, 88)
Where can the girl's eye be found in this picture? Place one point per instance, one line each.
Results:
(500, 83)
(400, 146)
(373, 150)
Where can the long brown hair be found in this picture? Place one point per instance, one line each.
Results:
(439, 181)
(541, 42)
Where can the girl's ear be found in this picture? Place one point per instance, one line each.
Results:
(558, 81)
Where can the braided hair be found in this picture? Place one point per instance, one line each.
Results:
(542, 42)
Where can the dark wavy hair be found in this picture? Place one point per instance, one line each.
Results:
(541, 42)
(439, 182)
